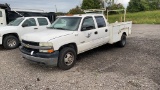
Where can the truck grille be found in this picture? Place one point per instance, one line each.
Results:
(30, 50)
(30, 43)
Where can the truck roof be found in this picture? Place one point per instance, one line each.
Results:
(82, 15)
(34, 17)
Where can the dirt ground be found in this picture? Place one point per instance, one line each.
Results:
(134, 67)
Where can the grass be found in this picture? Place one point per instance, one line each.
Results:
(147, 17)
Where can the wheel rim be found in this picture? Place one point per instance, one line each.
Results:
(69, 58)
(11, 42)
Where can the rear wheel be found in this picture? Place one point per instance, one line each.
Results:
(67, 58)
(122, 42)
(10, 42)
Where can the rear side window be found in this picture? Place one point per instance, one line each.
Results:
(100, 21)
(42, 21)
(0, 13)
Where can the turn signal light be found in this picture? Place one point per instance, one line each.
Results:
(50, 51)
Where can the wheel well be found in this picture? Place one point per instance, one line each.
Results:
(13, 34)
(72, 45)
(124, 33)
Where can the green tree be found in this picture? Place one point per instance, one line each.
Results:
(115, 7)
(76, 10)
(91, 4)
(134, 6)
(143, 5)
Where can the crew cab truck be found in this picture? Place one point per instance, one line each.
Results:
(10, 35)
(69, 36)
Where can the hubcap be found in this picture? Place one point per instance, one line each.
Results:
(69, 58)
(11, 42)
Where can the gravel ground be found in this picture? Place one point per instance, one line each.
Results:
(134, 67)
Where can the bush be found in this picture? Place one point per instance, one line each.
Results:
(145, 17)
(115, 7)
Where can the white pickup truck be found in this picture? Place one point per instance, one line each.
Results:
(69, 36)
(10, 35)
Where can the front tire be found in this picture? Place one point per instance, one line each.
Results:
(10, 42)
(67, 58)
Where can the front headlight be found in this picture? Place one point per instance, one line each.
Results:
(46, 44)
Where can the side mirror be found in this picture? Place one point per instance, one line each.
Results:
(84, 28)
(25, 25)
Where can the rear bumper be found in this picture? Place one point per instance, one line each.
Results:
(45, 58)
(0, 40)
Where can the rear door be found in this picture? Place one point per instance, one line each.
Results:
(43, 23)
(2, 17)
(102, 30)
(88, 34)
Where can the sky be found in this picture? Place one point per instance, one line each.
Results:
(49, 5)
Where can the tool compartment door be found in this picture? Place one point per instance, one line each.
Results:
(117, 29)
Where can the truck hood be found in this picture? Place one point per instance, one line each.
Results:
(45, 36)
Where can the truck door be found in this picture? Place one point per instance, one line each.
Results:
(88, 35)
(102, 30)
(2, 17)
(29, 26)
(43, 23)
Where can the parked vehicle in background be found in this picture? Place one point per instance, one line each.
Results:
(7, 14)
(10, 35)
(69, 36)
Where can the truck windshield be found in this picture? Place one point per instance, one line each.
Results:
(66, 23)
(16, 22)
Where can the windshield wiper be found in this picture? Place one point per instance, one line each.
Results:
(61, 28)
(57, 28)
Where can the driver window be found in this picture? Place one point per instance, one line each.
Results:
(30, 22)
(88, 24)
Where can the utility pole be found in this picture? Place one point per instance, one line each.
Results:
(56, 8)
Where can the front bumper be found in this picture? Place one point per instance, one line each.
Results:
(1, 40)
(45, 58)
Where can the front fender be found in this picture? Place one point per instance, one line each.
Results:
(61, 41)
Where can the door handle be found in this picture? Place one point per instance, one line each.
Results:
(106, 30)
(35, 28)
(1, 23)
(96, 32)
